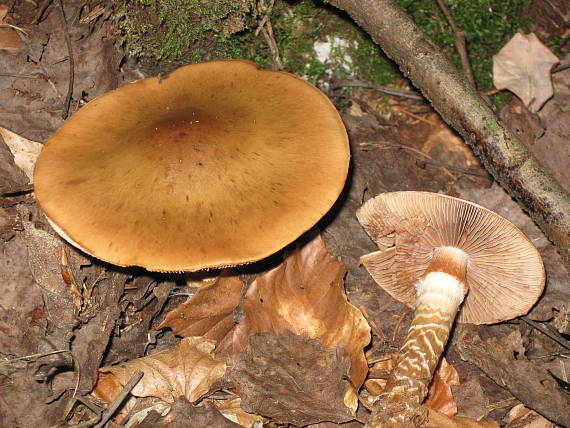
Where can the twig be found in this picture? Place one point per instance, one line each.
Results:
(459, 42)
(32, 356)
(558, 339)
(417, 117)
(109, 411)
(42, 10)
(403, 93)
(22, 76)
(560, 67)
(372, 323)
(454, 168)
(67, 101)
(267, 32)
(397, 327)
(18, 30)
(509, 402)
(417, 152)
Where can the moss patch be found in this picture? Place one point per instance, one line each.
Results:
(314, 39)
(183, 30)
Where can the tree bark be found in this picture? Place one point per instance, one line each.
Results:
(501, 152)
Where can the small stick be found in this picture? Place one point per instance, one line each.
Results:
(67, 101)
(415, 116)
(20, 31)
(459, 42)
(267, 32)
(22, 76)
(420, 153)
(29, 357)
(372, 323)
(108, 413)
(42, 10)
(403, 93)
(558, 339)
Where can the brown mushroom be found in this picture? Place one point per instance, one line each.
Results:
(218, 164)
(436, 251)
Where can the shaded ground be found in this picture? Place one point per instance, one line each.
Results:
(52, 340)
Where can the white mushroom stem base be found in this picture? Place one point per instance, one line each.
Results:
(439, 295)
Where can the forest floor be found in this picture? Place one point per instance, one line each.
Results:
(65, 315)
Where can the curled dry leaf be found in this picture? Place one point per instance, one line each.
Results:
(187, 370)
(232, 410)
(521, 417)
(9, 39)
(299, 341)
(305, 294)
(523, 66)
(439, 420)
(440, 397)
(293, 379)
(25, 151)
(209, 312)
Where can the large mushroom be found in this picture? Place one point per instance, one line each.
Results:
(215, 165)
(435, 252)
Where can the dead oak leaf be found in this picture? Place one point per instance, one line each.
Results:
(293, 379)
(299, 341)
(25, 151)
(523, 66)
(231, 409)
(209, 312)
(305, 295)
(189, 370)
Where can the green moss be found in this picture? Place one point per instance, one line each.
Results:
(486, 24)
(184, 30)
(299, 26)
(194, 30)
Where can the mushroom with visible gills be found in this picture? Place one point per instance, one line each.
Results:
(215, 165)
(435, 252)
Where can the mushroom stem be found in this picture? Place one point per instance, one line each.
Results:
(439, 294)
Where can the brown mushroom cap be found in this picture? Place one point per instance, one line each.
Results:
(218, 164)
(505, 274)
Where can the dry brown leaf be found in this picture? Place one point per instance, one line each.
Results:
(231, 409)
(440, 397)
(443, 136)
(305, 294)
(439, 420)
(25, 151)
(209, 312)
(293, 379)
(299, 340)
(378, 374)
(9, 38)
(522, 417)
(187, 370)
(523, 66)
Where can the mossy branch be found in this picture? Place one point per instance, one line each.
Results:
(459, 104)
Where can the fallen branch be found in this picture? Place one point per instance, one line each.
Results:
(459, 104)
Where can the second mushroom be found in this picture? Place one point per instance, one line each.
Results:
(436, 251)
